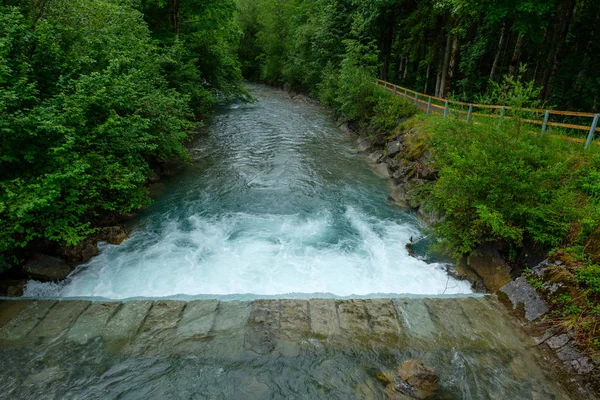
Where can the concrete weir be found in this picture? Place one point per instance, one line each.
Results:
(469, 341)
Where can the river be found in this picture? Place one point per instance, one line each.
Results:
(276, 202)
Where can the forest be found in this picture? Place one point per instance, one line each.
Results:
(443, 48)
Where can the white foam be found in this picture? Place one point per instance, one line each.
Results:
(262, 255)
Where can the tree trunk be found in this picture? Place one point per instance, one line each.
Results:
(557, 37)
(401, 68)
(427, 77)
(514, 62)
(440, 92)
(387, 41)
(499, 51)
(451, 67)
(438, 80)
(176, 16)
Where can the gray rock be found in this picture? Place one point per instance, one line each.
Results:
(398, 195)
(46, 268)
(376, 156)
(520, 291)
(393, 148)
(568, 353)
(582, 365)
(364, 144)
(558, 341)
(382, 170)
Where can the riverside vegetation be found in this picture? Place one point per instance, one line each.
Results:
(95, 94)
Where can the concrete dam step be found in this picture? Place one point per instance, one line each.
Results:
(465, 339)
(265, 325)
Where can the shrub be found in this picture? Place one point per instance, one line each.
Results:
(390, 111)
(495, 186)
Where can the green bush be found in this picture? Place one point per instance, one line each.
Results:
(390, 111)
(495, 186)
(89, 101)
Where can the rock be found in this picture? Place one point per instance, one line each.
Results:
(46, 268)
(354, 126)
(376, 157)
(79, 253)
(12, 288)
(402, 172)
(519, 292)
(398, 196)
(568, 353)
(582, 365)
(113, 234)
(490, 266)
(153, 178)
(558, 341)
(392, 394)
(394, 147)
(417, 380)
(364, 144)
(382, 170)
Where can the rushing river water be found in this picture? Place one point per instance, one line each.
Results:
(276, 202)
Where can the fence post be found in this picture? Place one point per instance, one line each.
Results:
(546, 117)
(405, 94)
(377, 82)
(429, 105)
(501, 115)
(446, 109)
(470, 112)
(395, 90)
(592, 131)
(416, 98)
(384, 84)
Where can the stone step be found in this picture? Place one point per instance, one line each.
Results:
(263, 326)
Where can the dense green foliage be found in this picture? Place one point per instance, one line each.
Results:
(91, 99)
(497, 187)
(440, 47)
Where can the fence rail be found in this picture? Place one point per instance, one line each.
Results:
(431, 104)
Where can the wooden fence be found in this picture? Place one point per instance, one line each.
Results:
(446, 107)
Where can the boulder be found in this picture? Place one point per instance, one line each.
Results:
(383, 170)
(12, 288)
(46, 268)
(113, 234)
(490, 266)
(394, 147)
(80, 253)
(416, 380)
(376, 156)
(402, 172)
(520, 292)
(398, 196)
(364, 144)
